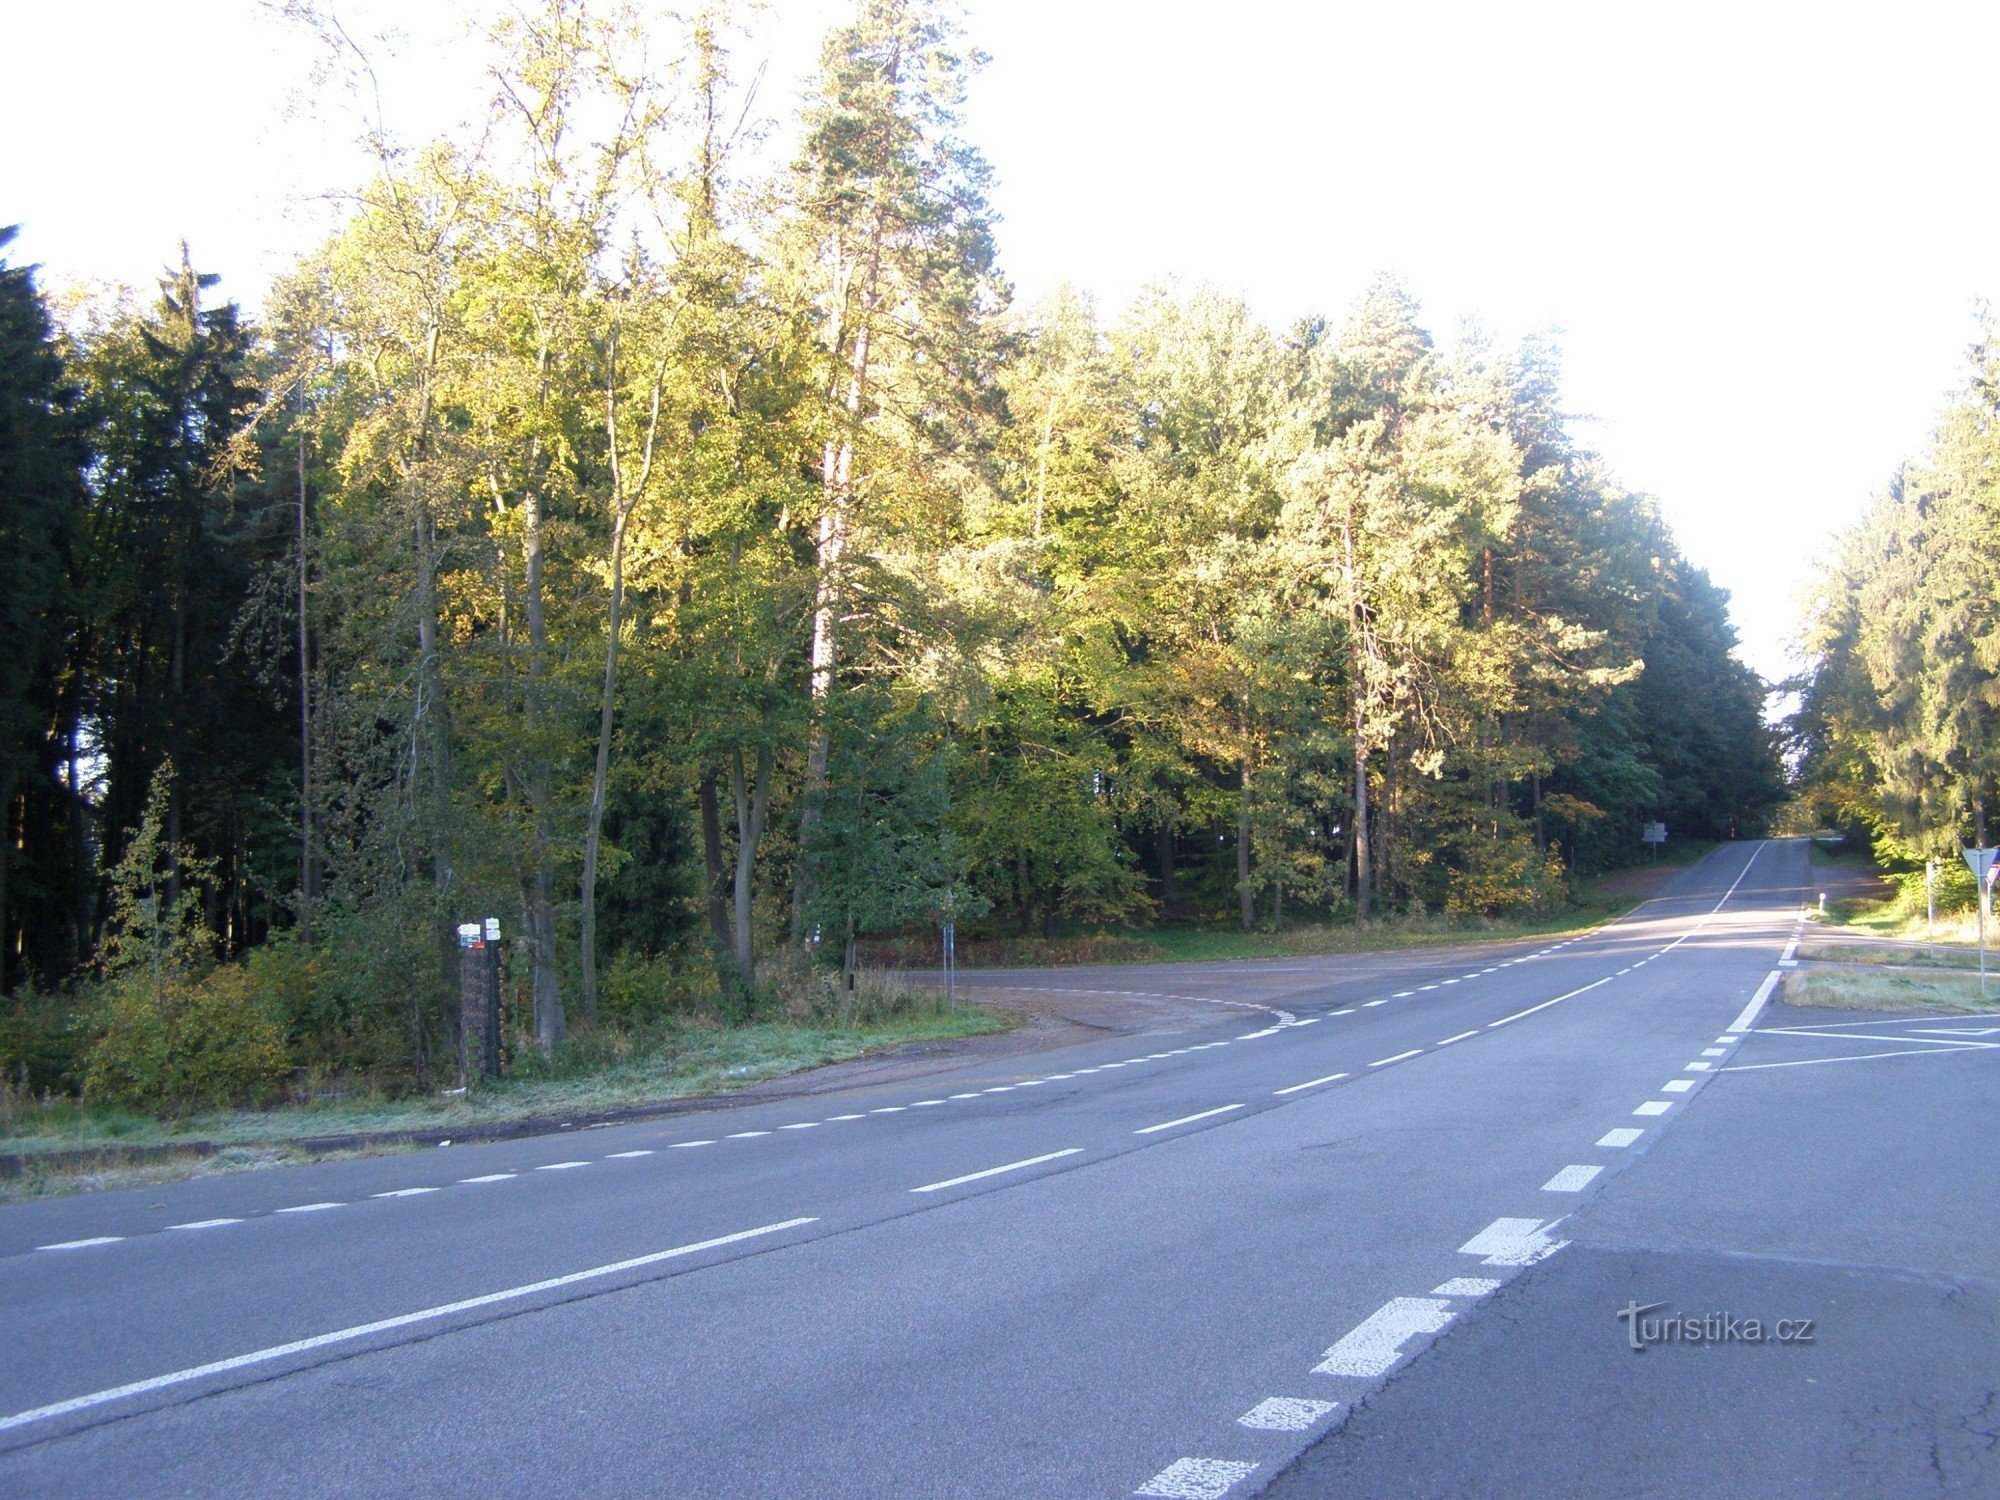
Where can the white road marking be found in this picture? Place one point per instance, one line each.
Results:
(887, 1109)
(1371, 1004)
(1654, 1107)
(1459, 1038)
(1571, 1180)
(1195, 1479)
(1350, 1009)
(218, 1223)
(1723, 1040)
(1465, 1286)
(1743, 1021)
(1957, 1031)
(1623, 1136)
(628, 1155)
(1012, 1166)
(929, 1103)
(381, 1325)
(751, 1135)
(1426, 987)
(100, 1239)
(1696, 1067)
(1677, 1085)
(1815, 1062)
(1513, 1242)
(831, 1118)
(1383, 1062)
(801, 1125)
(1447, 981)
(1025, 1083)
(1547, 1003)
(1187, 1119)
(1375, 1344)
(1286, 1414)
(1715, 1052)
(973, 1095)
(415, 1192)
(1312, 1084)
(1399, 995)
(685, 1145)
(561, 1166)
(489, 1177)
(308, 1208)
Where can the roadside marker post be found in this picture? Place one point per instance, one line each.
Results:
(478, 1000)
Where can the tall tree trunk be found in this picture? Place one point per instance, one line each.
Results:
(600, 774)
(430, 724)
(1363, 870)
(306, 878)
(753, 807)
(550, 1024)
(712, 872)
(1541, 828)
(1246, 894)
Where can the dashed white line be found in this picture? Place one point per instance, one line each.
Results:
(1696, 1067)
(489, 1177)
(1715, 1052)
(383, 1325)
(1623, 1136)
(1376, 1343)
(628, 1155)
(1195, 1479)
(687, 1145)
(308, 1208)
(1571, 1180)
(1399, 995)
(801, 1125)
(751, 1135)
(96, 1239)
(1350, 1009)
(1286, 1414)
(1677, 1086)
(973, 1095)
(1187, 1119)
(1311, 1084)
(218, 1223)
(1371, 1004)
(1512, 1242)
(561, 1166)
(1383, 1062)
(1012, 1166)
(415, 1192)
(1459, 1038)
(1654, 1107)
(1466, 1286)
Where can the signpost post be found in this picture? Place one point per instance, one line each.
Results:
(1980, 861)
(1930, 902)
(478, 1000)
(1653, 835)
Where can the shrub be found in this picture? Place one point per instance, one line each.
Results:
(181, 1044)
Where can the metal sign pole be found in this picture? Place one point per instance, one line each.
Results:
(1980, 862)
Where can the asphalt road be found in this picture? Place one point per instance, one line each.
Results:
(1342, 1226)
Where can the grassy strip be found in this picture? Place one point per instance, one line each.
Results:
(604, 1072)
(1862, 988)
(1911, 955)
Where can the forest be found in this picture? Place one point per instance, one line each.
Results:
(708, 567)
(1897, 733)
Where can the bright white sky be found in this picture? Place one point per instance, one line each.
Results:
(1762, 229)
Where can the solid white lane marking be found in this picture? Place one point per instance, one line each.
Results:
(308, 1208)
(1459, 1038)
(1195, 1479)
(685, 1145)
(1383, 1062)
(751, 1135)
(1466, 1286)
(218, 1223)
(1625, 1135)
(1376, 1343)
(1311, 1084)
(1285, 1414)
(1654, 1107)
(1571, 1180)
(1677, 1086)
(1815, 1062)
(489, 1177)
(1715, 1052)
(1547, 1003)
(1696, 1067)
(1187, 1119)
(628, 1155)
(561, 1166)
(1512, 1242)
(1012, 1166)
(1743, 1021)
(99, 1239)
(801, 1125)
(381, 1325)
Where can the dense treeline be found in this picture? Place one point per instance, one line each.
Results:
(1898, 725)
(691, 568)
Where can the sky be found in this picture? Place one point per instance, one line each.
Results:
(1760, 231)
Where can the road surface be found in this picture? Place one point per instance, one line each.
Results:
(1323, 1226)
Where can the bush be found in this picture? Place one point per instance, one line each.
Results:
(177, 1044)
(1506, 876)
(40, 1044)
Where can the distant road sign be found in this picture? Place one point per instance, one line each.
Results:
(1653, 833)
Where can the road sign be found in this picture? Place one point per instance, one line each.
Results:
(1980, 861)
(1653, 833)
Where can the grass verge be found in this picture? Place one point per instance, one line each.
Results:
(1861, 987)
(596, 1072)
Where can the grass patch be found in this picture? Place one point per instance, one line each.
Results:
(603, 1070)
(1863, 988)
(1914, 955)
